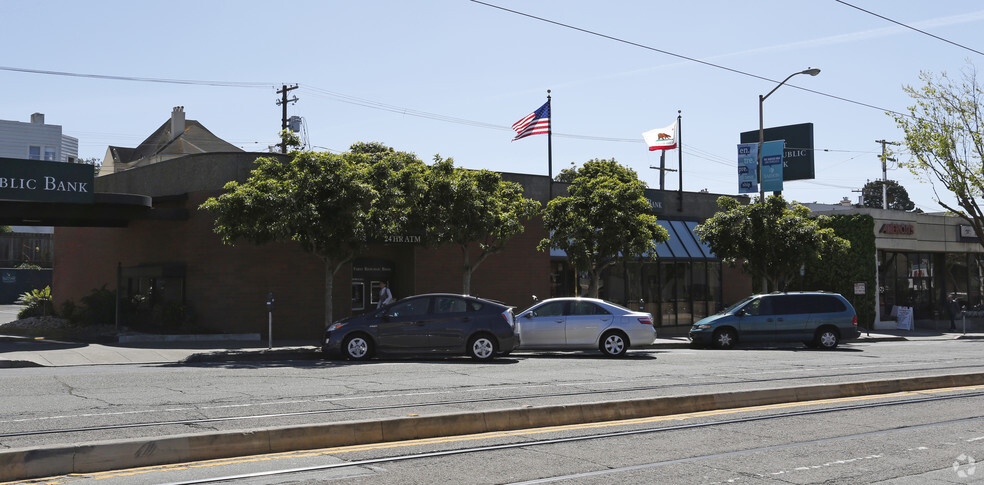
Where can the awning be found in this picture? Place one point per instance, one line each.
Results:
(682, 245)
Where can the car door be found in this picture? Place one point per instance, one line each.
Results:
(794, 318)
(585, 321)
(543, 325)
(757, 321)
(450, 325)
(403, 327)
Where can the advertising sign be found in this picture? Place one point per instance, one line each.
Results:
(748, 168)
(772, 165)
(44, 181)
(798, 155)
(655, 199)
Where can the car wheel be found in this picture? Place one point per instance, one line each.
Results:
(613, 344)
(827, 338)
(482, 347)
(725, 338)
(357, 347)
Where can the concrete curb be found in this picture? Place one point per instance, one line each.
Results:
(120, 454)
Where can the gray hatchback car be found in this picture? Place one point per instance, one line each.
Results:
(816, 318)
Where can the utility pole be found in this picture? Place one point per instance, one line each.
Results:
(283, 102)
(884, 159)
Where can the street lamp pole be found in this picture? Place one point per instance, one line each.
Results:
(811, 71)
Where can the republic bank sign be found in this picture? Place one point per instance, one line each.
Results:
(43, 181)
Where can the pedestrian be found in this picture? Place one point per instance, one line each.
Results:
(385, 295)
(953, 308)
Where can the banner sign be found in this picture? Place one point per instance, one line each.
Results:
(748, 168)
(772, 165)
(798, 154)
(44, 181)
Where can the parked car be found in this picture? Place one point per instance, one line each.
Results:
(816, 318)
(584, 323)
(424, 324)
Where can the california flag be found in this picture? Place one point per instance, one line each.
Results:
(661, 139)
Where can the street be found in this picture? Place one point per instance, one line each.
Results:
(50, 406)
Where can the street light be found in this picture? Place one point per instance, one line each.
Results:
(811, 71)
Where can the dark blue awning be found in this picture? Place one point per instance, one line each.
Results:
(682, 245)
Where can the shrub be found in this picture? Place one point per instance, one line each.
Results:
(37, 303)
(98, 307)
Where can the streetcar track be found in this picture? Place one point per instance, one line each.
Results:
(650, 430)
(197, 421)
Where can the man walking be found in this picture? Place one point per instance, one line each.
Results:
(953, 309)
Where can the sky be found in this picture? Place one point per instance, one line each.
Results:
(449, 77)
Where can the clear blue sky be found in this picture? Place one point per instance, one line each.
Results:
(449, 77)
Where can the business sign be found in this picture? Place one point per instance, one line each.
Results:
(966, 233)
(798, 154)
(748, 168)
(44, 181)
(897, 229)
(772, 166)
(655, 199)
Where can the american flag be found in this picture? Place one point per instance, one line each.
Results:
(535, 123)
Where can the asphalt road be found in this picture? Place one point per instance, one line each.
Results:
(895, 439)
(172, 399)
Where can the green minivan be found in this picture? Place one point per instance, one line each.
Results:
(816, 318)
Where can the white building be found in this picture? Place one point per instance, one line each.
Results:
(37, 141)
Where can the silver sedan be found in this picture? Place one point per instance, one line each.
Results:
(584, 323)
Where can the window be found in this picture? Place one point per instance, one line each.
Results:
(552, 309)
(50, 154)
(409, 308)
(449, 304)
(586, 308)
(34, 153)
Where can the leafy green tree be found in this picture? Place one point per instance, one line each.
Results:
(898, 197)
(773, 239)
(945, 137)
(321, 201)
(605, 216)
(469, 209)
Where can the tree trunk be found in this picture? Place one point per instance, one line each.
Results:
(594, 286)
(466, 271)
(330, 286)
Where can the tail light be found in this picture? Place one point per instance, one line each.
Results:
(855, 320)
(646, 320)
(510, 319)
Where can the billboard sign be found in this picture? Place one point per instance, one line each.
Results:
(798, 154)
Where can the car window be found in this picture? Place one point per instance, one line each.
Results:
(409, 308)
(552, 309)
(791, 304)
(449, 304)
(761, 306)
(825, 304)
(587, 308)
(474, 306)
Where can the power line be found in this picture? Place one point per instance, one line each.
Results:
(691, 59)
(229, 84)
(896, 22)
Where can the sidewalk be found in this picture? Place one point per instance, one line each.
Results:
(17, 351)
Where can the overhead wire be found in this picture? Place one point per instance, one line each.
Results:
(896, 22)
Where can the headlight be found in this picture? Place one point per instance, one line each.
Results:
(704, 326)
(335, 326)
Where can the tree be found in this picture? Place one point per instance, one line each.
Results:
(94, 161)
(463, 207)
(773, 239)
(604, 217)
(898, 197)
(944, 133)
(321, 201)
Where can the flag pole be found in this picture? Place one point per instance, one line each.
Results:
(680, 155)
(550, 146)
